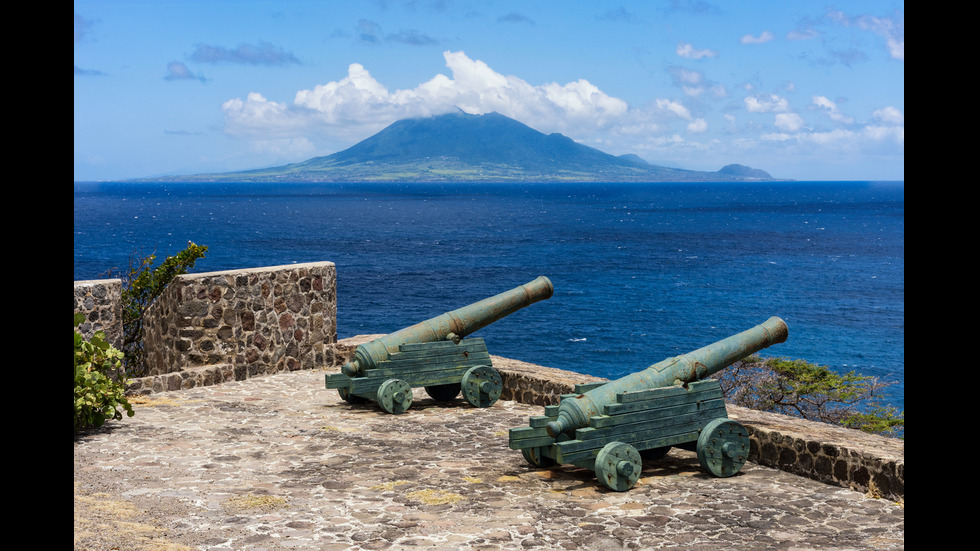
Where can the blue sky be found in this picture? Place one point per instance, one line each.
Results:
(804, 90)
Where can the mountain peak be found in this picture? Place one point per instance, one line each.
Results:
(462, 147)
(487, 139)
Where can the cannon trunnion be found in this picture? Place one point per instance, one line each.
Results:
(612, 427)
(433, 354)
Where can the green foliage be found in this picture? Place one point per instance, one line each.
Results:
(809, 391)
(141, 286)
(878, 419)
(100, 381)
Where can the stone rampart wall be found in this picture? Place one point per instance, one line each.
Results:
(254, 321)
(99, 301)
(213, 327)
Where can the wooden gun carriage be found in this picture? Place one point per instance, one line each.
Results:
(611, 427)
(434, 354)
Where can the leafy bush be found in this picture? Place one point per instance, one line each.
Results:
(141, 286)
(809, 391)
(100, 381)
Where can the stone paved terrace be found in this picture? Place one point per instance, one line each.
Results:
(279, 462)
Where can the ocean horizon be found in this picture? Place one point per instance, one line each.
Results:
(641, 272)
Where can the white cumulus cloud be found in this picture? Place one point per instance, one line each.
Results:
(687, 51)
(770, 103)
(693, 83)
(258, 115)
(891, 29)
(889, 115)
(831, 108)
(359, 103)
(789, 122)
(766, 36)
(674, 107)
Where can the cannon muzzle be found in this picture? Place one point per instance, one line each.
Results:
(455, 324)
(574, 413)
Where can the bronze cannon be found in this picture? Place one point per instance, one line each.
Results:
(435, 354)
(605, 426)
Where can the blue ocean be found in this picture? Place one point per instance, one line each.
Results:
(641, 271)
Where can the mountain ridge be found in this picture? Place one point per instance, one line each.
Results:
(459, 147)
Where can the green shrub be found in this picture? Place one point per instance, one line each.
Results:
(100, 381)
(141, 286)
(810, 391)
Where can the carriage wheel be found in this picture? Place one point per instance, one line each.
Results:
(482, 386)
(536, 458)
(723, 447)
(351, 398)
(618, 466)
(395, 396)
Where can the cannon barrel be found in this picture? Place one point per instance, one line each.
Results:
(574, 413)
(460, 322)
